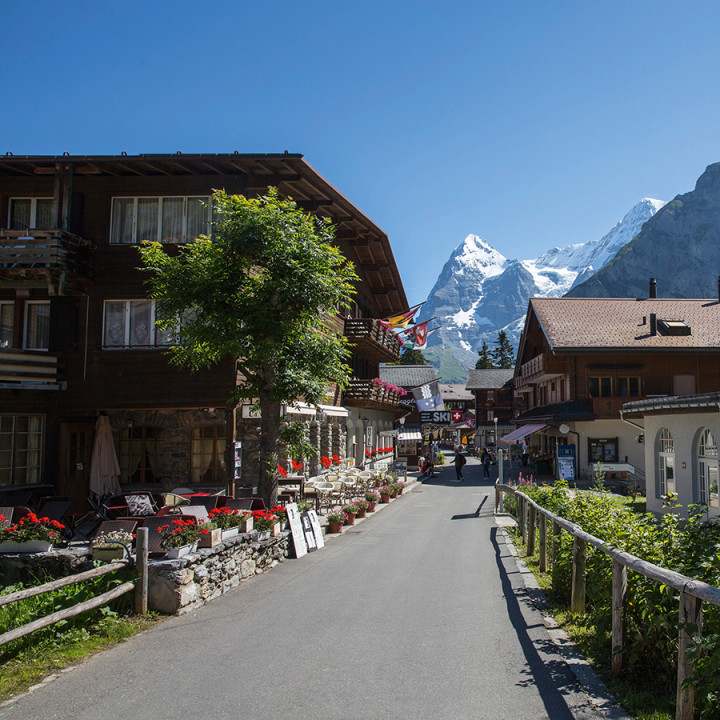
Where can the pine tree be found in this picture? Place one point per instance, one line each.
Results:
(411, 357)
(484, 361)
(504, 354)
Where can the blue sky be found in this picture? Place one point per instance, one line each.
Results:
(529, 123)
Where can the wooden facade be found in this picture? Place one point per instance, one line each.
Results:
(63, 272)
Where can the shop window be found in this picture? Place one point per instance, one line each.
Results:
(603, 450)
(21, 442)
(665, 463)
(140, 455)
(600, 386)
(207, 459)
(707, 465)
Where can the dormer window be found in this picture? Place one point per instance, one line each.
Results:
(673, 327)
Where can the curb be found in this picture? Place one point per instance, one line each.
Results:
(597, 692)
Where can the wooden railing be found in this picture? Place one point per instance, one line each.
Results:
(141, 596)
(539, 365)
(28, 367)
(692, 592)
(369, 330)
(367, 390)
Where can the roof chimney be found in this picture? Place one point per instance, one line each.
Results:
(653, 324)
(653, 288)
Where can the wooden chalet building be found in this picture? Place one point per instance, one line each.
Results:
(494, 397)
(581, 359)
(77, 333)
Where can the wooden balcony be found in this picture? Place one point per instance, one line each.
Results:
(541, 368)
(365, 394)
(373, 340)
(29, 370)
(609, 407)
(52, 259)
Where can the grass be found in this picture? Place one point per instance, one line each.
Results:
(636, 695)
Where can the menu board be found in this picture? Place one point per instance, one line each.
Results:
(296, 530)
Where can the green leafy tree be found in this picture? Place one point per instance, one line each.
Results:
(484, 361)
(504, 354)
(261, 292)
(412, 357)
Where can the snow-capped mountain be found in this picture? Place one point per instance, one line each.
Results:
(480, 292)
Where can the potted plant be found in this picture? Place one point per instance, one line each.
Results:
(209, 534)
(281, 513)
(266, 523)
(400, 485)
(336, 520)
(112, 545)
(362, 506)
(372, 499)
(304, 506)
(393, 488)
(231, 522)
(351, 511)
(30, 534)
(385, 493)
(178, 537)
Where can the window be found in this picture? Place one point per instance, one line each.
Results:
(628, 386)
(21, 441)
(603, 450)
(707, 464)
(666, 464)
(600, 386)
(140, 455)
(163, 219)
(37, 325)
(131, 323)
(490, 395)
(26, 213)
(490, 415)
(7, 310)
(207, 459)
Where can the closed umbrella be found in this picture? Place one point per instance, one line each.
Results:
(104, 468)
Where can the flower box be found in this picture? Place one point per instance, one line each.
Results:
(108, 554)
(275, 529)
(29, 546)
(178, 552)
(210, 538)
(232, 532)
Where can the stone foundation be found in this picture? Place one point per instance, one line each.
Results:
(178, 586)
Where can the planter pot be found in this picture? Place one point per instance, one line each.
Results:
(361, 513)
(228, 533)
(334, 526)
(275, 530)
(400, 491)
(108, 554)
(393, 494)
(263, 535)
(350, 520)
(178, 552)
(212, 538)
(29, 546)
(384, 497)
(371, 507)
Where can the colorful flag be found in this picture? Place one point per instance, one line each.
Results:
(416, 337)
(427, 397)
(402, 320)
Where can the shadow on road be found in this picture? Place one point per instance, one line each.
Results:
(476, 514)
(545, 669)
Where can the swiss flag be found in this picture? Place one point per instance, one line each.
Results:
(457, 415)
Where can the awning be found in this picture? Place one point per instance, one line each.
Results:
(300, 408)
(520, 433)
(334, 410)
(409, 436)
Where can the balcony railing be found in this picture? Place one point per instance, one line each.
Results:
(52, 257)
(541, 367)
(27, 368)
(364, 393)
(609, 407)
(372, 339)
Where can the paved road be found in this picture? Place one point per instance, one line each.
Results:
(416, 614)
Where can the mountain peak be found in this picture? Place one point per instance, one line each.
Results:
(476, 253)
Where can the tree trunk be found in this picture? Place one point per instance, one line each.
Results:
(269, 436)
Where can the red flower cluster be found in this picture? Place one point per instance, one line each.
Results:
(31, 527)
(279, 511)
(297, 466)
(326, 461)
(225, 518)
(263, 519)
(178, 533)
(282, 472)
(336, 460)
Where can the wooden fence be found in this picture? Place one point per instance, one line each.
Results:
(533, 520)
(140, 586)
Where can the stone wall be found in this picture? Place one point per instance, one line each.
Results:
(178, 586)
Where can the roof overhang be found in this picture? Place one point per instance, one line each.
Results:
(521, 432)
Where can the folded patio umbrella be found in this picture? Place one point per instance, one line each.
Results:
(104, 468)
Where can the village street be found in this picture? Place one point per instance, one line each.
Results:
(418, 612)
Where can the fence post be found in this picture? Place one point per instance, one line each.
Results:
(619, 588)
(523, 519)
(501, 507)
(542, 525)
(531, 531)
(141, 590)
(497, 499)
(556, 531)
(690, 614)
(577, 601)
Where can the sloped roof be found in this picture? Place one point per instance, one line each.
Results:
(576, 323)
(568, 410)
(488, 379)
(676, 403)
(455, 391)
(407, 375)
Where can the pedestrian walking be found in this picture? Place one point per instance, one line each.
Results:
(459, 464)
(485, 459)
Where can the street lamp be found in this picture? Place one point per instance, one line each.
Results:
(499, 451)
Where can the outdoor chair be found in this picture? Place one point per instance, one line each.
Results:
(239, 504)
(138, 504)
(6, 513)
(199, 512)
(209, 502)
(244, 492)
(54, 507)
(324, 494)
(170, 499)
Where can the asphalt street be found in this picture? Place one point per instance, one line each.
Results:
(419, 612)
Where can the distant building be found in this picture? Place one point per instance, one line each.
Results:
(494, 397)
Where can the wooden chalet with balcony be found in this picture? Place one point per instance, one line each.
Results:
(581, 359)
(78, 335)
